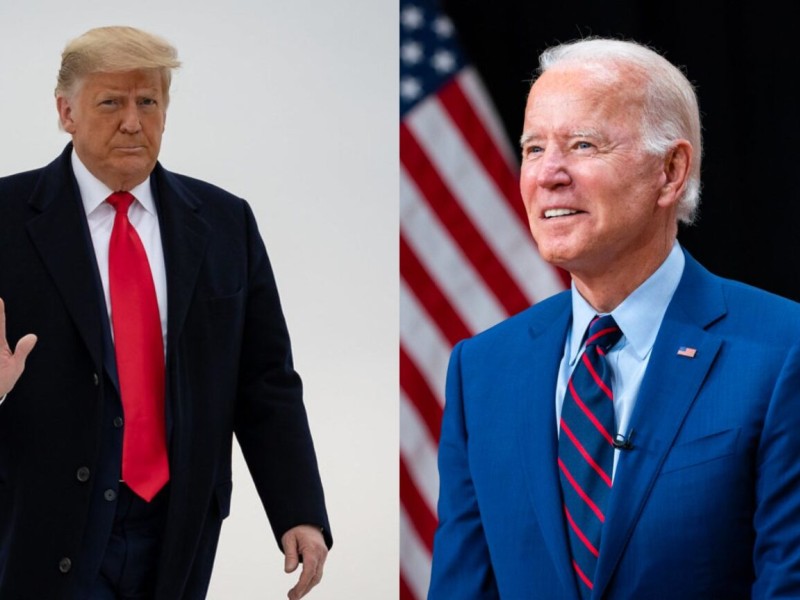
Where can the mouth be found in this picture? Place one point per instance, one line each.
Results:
(553, 213)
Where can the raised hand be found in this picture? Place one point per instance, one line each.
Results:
(12, 363)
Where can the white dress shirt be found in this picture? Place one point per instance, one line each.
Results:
(639, 317)
(144, 218)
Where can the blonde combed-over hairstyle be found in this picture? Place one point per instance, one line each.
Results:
(112, 50)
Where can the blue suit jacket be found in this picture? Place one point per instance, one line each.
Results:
(705, 506)
(229, 370)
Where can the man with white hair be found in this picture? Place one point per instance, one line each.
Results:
(636, 436)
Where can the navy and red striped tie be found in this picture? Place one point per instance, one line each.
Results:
(586, 449)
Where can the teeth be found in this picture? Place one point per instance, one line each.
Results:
(558, 212)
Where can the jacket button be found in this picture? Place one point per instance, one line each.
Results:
(110, 495)
(83, 474)
(64, 565)
(118, 422)
(96, 379)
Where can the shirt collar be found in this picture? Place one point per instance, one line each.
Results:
(639, 316)
(94, 192)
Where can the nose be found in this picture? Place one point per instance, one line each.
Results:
(552, 168)
(130, 119)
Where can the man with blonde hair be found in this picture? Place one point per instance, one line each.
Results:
(636, 436)
(147, 331)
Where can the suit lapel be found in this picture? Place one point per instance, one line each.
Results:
(668, 391)
(184, 236)
(61, 238)
(538, 438)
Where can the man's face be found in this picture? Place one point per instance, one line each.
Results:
(116, 121)
(593, 197)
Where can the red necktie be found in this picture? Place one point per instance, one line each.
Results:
(586, 449)
(140, 355)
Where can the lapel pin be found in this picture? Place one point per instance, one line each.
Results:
(687, 352)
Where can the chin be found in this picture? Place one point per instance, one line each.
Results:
(134, 170)
(560, 250)
(558, 257)
(548, 251)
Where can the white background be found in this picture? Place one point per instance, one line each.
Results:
(293, 106)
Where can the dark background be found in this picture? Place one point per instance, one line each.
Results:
(744, 61)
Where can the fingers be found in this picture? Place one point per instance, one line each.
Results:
(12, 363)
(24, 345)
(310, 575)
(304, 542)
(292, 558)
(3, 342)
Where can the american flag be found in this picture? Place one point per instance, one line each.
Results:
(467, 259)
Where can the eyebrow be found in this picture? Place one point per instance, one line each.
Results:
(587, 133)
(584, 133)
(124, 90)
(525, 138)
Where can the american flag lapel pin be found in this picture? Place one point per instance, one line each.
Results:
(687, 351)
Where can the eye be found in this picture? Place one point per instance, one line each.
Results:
(584, 145)
(532, 151)
(148, 102)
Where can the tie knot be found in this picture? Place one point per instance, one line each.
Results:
(121, 201)
(603, 332)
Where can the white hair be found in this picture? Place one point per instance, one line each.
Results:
(670, 111)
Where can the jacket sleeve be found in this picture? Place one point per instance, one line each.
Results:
(461, 563)
(776, 555)
(271, 424)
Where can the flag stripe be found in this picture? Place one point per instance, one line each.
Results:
(455, 220)
(430, 295)
(462, 112)
(418, 449)
(415, 563)
(424, 521)
(479, 98)
(418, 391)
(405, 590)
(443, 259)
(423, 341)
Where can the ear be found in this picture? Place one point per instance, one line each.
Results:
(65, 114)
(677, 164)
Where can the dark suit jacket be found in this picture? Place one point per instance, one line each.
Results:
(705, 506)
(229, 369)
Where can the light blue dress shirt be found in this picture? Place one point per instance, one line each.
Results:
(639, 317)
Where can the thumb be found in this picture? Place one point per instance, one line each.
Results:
(292, 558)
(24, 347)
